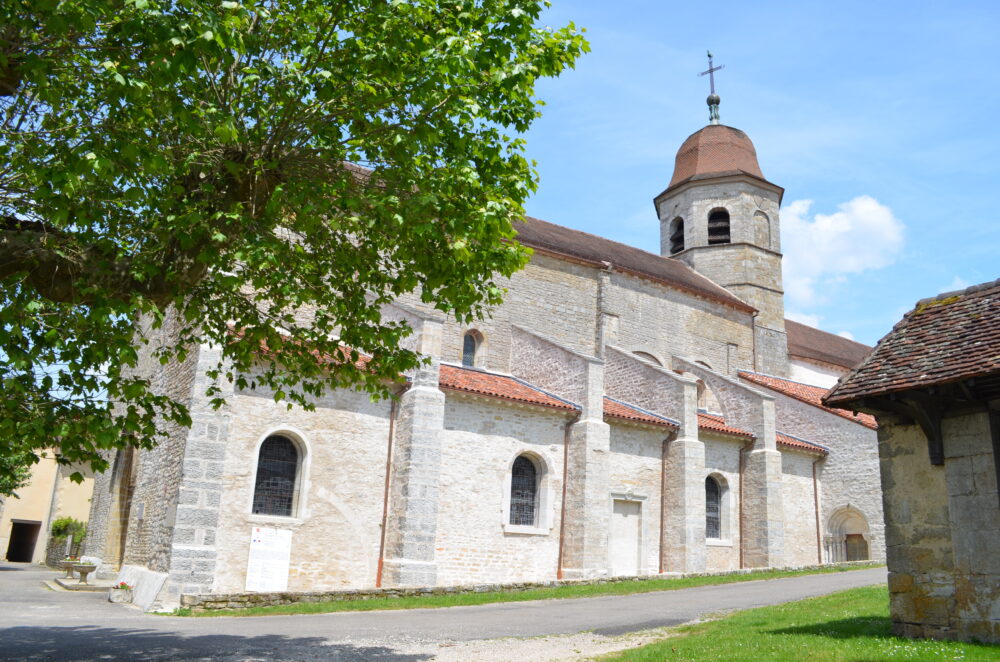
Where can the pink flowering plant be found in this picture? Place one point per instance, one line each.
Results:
(122, 586)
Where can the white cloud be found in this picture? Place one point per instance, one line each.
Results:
(862, 234)
(803, 318)
(846, 334)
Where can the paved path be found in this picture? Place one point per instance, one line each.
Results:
(39, 624)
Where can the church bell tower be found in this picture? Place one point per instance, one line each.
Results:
(720, 216)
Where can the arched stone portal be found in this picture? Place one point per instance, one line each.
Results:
(848, 536)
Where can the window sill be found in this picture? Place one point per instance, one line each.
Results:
(519, 530)
(274, 519)
(718, 542)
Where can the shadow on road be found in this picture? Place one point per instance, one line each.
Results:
(114, 645)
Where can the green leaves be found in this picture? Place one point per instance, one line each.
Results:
(186, 166)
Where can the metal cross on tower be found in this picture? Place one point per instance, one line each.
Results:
(713, 98)
(711, 72)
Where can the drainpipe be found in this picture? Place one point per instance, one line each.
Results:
(562, 507)
(819, 544)
(753, 330)
(393, 408)
(746, 447)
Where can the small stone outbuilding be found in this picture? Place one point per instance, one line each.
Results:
(933, 383)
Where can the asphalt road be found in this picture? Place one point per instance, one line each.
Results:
(40, 624)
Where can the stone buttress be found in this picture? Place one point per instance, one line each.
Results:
(751, 410)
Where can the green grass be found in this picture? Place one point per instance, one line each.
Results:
(851, 626)
(465, 599)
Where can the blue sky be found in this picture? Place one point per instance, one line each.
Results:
(878, 118)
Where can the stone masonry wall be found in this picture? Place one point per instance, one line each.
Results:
(474, 541)
(636, 471)
(722, 461)
(551, 297)
(942, 531)
(849, 476)
(800, 510)
(336, 524)
(666, 322)
(158, 472)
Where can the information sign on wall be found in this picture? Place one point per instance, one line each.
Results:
(267, 568)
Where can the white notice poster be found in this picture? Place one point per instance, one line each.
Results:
(267, 568)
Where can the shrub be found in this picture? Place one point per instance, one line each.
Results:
(64, 527)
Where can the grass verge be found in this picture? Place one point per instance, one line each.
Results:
(850, 626)
(547, 593)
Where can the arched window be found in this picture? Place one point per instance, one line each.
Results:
(277, 469)
(713, 508)
(718, 227)
(523, 492)
(676, 235)
(470, 348)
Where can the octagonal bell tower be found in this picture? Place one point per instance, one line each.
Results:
(720, 216)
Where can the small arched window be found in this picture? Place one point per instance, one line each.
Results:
(470, 348)
(277, 471)
(713, 508)
(676, 235)
(523, 492)
(718, 227)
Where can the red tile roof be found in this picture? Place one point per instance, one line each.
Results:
(505, 387)
(715, 423)
(801, 444)
(810, 343)
(624, 411)
(948, 338)
(805, 393)
(599, 252)
(716, 150)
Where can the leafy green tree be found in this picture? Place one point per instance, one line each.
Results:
(196, 163)
(15, 470)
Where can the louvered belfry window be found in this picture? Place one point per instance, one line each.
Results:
(677, 236)
(713, 509)
(274, 490)
(718, 227)
(523, 492)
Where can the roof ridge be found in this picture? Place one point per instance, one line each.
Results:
(783, 379)
(971, 289)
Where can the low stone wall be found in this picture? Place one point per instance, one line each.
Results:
(211, 602)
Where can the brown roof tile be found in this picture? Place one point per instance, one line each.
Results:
(805, 393)
(789, 441)
(716, 150)
(504, 387)
(627, 412)
(582, 246)
(811, 343)
(716, 423)
(948, 338)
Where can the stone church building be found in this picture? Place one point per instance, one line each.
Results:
(622, 413)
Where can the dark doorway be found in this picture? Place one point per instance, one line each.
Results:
(23, 536)
(857, 547)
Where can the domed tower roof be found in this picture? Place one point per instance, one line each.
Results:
(715, 151)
